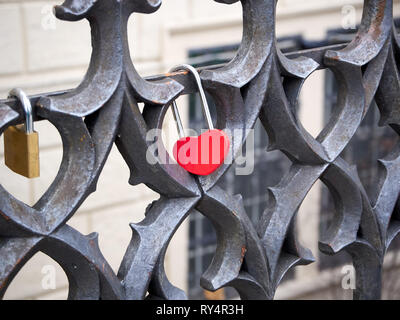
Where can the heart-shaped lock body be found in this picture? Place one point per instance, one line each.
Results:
(204, 154)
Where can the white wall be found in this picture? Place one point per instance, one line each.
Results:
(41, 54)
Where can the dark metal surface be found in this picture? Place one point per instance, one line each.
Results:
(104, 109)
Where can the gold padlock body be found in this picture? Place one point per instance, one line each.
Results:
(21, 151)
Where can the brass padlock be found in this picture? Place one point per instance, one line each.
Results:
(21, 142)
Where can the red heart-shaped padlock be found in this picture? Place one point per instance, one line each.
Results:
(204, 154)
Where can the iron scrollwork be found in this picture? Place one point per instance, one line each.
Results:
(260, 82)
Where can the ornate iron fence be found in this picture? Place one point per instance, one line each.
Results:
(260, 82)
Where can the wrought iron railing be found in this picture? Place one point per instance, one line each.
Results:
(260, 82)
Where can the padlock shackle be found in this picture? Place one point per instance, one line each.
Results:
(26, 105)
(178, 120)
(204, 104)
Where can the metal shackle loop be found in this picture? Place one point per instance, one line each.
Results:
(204, 104)
(26, 105)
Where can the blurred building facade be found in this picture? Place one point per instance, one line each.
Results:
(41, 54)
